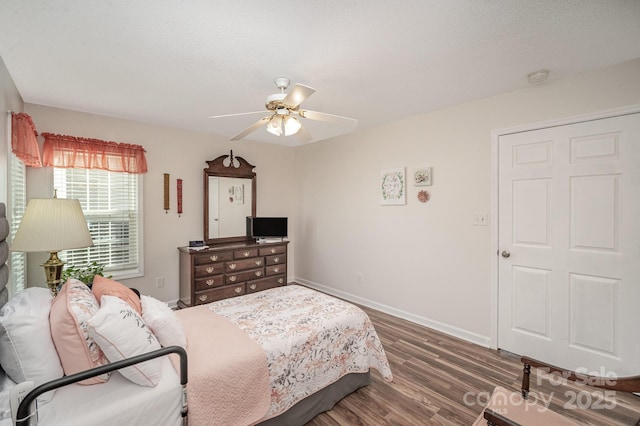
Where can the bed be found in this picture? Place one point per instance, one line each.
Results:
(277, 357)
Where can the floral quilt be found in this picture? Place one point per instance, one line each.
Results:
(311, 339)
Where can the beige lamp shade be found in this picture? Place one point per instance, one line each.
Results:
(52, 224)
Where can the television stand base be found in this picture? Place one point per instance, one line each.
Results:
(269, 240)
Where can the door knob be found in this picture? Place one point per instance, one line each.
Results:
(506, 253)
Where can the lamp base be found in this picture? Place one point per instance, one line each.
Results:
(53, 271)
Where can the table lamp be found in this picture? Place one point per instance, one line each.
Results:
(52, 224)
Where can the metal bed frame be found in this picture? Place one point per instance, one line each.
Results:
(23, 416)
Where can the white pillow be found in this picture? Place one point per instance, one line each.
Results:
(121, 333)
(27, 351)
(163, 322)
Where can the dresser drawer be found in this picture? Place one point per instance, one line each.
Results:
(266, 251)
(245, 253)
(209, 282)
(266, 283)
(203, 297)
(276, 259)
(275, 270)
(203, 259)
(239, 277)
(242, 265)
(209, 269)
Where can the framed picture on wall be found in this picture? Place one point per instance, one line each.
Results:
(392, 187)
(422, 176)
(236, 194)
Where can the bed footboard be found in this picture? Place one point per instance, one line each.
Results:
(23, 409)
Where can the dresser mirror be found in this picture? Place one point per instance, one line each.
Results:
(229, 197)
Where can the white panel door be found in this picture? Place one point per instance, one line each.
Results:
(569, 244)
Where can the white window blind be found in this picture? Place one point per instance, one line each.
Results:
(111, 204)
(17, 206)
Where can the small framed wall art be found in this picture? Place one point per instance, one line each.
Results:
(238, 194)
(422, 176)
(392, 187)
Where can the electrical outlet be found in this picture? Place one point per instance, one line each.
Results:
(359, 277)
(160, 282)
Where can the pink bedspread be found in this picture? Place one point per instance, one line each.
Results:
(228, 374)
(311, 339)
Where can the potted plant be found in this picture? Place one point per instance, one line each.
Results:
(83, 273)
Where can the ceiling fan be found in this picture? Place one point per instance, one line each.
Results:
(284, 113)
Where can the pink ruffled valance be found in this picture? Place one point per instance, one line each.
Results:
(24, 142)
(85, 153)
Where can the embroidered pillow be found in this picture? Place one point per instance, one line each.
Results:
(71, 309)
(26, 348)
(163, 322)
(121, 333)
(107, 287)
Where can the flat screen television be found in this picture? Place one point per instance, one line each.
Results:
(267, 227)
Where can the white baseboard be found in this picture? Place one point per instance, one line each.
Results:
(460, 333)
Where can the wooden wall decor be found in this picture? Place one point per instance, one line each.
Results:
(179, 195)
(166, 193)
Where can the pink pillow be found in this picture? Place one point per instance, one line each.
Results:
(106, 287)
(74, 305)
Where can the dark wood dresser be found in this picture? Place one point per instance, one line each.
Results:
(230, 269)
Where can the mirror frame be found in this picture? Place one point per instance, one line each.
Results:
(218, 168)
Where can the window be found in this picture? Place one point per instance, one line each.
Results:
(111, 204)
(17, 206)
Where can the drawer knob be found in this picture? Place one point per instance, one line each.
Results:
(252, 286)
(210, 269)
(276, 259)
(238, 290)
(246, 253)
(213, 258)
(202, 298)
(209, 282)
(258, 262)
(280, 280)
(232, 278)
(276, 270)
(273, 250)
(232, 266)
(258, 273)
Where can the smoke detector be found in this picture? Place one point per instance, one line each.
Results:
(538, 76)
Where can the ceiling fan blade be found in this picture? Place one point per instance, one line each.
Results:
(328, 118)
(252, 128)
(298, 94)
(235, 115)
(303, 135)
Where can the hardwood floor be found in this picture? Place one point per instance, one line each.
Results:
(441, 380)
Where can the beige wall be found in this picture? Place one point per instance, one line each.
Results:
(182, 154)
(10, 100)
(426, 262)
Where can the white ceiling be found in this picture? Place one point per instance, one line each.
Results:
(176, 62)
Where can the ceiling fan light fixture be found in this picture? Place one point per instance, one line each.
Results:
(280, 125)
(291, 125)
(274, 126)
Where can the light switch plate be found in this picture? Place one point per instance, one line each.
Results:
(480, 219)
